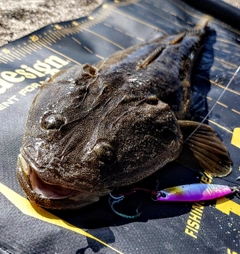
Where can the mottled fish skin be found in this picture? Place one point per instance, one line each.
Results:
(93, 128)
(166, 78)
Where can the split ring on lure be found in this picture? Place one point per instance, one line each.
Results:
(184, 193)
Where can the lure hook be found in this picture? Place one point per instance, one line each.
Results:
(114, 200)
(236, 191)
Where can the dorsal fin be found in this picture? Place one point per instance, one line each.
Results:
(158, 51)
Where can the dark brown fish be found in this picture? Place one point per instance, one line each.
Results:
(93, 128)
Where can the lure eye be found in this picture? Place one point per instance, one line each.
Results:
(105, 152)
(162, 194)
(53, 121)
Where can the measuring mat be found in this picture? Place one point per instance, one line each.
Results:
(211, 227)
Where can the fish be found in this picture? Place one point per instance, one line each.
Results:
(93, 128)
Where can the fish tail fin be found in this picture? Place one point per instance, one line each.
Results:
(203, 151)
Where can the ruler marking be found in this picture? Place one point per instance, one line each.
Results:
(61, 33)
(25, 51)
(235, 111)
(14, 55)
(220, 126)
(77, 41)
(46, 41)
(56, 35)
(226, 62)
(22, 52)
(61, 54)
(3, 60)
(28, 47)
(99, 56)
(219, 85)
(139, 21)
(104, 38)
(8, 58)
(89, 50)
(222, 104)
(174, 14)
(52, 38)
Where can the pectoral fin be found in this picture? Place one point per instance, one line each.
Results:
(203, 151)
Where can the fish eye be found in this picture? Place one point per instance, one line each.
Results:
(53, 121)
(105, 152)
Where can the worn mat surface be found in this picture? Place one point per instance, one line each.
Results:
(162, 228)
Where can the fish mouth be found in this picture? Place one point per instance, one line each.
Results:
(50, 195)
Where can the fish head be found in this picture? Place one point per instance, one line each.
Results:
(83, 139)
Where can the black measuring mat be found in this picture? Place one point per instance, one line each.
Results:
(162, 227)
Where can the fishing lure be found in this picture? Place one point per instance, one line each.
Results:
(195, 192)
(184, 193)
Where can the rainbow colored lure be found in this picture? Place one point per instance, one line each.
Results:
(196, 192)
